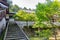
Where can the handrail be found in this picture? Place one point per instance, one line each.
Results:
(2, 10)
(23, 32)
(6, 32)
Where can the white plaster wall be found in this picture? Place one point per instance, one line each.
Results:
(2, 23)
(24, 23)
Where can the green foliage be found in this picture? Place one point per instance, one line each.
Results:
(25, 8)
(44, 33)
(39, 25)
(24, 16)
(45, 13)
(14, 8)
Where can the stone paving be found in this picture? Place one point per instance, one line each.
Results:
(15, 33)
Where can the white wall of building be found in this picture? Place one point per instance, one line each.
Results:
(2, 24)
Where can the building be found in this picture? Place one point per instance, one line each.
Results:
(28, 10)
(4, 2)
(3, 11)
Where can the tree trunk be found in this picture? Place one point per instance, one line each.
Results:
(55, 34)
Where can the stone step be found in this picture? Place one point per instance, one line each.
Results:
(17, 38)
(15, 33)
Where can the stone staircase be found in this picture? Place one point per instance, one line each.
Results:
(14, 33)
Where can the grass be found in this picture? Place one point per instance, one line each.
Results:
(34, 38)
(2, 36)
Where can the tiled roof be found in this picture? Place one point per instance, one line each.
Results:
(3, 6)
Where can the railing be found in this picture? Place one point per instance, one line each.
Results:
(6, 32)
(2, 10)
(24, 23)
(2, 13)
(24, 34)
(10, 32)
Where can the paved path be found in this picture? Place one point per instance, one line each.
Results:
(15, 33)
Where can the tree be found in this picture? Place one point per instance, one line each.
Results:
(14, 8)
(45, 13)
(24, 16)
(25, 8)
(29, 8)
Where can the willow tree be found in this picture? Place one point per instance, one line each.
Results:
(45, 13)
